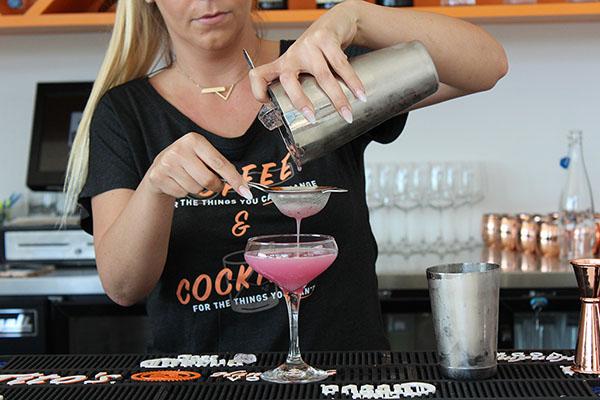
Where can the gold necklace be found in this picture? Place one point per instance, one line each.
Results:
(222, 91)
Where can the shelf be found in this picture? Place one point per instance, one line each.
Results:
(499, 13)
(37, 20)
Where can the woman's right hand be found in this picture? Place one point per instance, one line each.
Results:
(189, 166)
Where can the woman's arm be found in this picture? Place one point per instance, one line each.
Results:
(467, 58)
(132, 228)
(131, 237)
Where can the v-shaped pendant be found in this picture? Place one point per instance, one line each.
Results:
(226, 95)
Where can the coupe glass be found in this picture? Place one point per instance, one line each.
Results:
(292, 262)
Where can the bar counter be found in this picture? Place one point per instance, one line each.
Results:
(359, 375)
(394, 273)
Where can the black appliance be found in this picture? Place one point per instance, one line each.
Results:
(58, 110)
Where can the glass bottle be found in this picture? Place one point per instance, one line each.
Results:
(576, 212)
(327, 3)
(395, 3)
(272, 4)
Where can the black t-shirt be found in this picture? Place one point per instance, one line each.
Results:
(207, 298)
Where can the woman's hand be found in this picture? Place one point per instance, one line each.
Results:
(189, 166)
(319, 52)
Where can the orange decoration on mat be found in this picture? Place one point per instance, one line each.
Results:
(165, 376)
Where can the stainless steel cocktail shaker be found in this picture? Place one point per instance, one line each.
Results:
(395, 78)
(464, 306)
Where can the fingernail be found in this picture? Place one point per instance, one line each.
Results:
(245, 192)
(361, 95)
(347, 114)
(309, 115)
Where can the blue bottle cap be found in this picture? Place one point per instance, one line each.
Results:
(15, 4)
(564, 162)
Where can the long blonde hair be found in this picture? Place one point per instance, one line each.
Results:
(139, 40)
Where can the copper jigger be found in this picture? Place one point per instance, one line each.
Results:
(597, 246)
(587, 355)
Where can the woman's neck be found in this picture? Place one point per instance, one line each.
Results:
(217, 67)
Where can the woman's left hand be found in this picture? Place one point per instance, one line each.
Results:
(319, 52)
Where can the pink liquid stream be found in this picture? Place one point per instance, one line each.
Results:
(290, 269)
(299, 213)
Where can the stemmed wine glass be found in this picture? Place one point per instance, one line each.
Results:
(405, 200)
(475, 194)
(291, 262)
(372, 189)
(386, 187)
(440, 197)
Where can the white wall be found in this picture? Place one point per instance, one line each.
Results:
(519, 127)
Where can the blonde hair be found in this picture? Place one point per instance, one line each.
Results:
(139, 39)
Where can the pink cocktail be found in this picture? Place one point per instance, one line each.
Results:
(290, 268)
(292, 261)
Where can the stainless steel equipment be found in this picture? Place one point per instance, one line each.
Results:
(298, 201)
(464, 305)
(39, 240)
(394, 78)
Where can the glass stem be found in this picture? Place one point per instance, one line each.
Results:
(440, 237)
(471, 227)
(404, 241)
(293, 305)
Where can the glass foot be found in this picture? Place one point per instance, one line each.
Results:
(294, 373)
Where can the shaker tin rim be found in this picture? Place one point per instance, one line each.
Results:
(456, 269)
(586, 262)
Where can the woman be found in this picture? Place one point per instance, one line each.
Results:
(192, 126)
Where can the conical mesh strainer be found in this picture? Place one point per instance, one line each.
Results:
(298, 201)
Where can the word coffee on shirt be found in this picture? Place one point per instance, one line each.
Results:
(409, 389)
(189, 360)
(55, 379)
(533, 356)
(247, 376)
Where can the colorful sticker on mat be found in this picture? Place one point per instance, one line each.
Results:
(247, 376)
(518, 356)
(407, 390)
(165, 376)
(38, 378)
(199, 361)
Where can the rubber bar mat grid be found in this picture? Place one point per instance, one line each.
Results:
(267, 360)
(539, 372)
(522, 380)
(267, 391)
(445, 390)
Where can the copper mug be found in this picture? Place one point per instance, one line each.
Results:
(549, 237)
(529, 235)
(550, 264)
(510, 226)
(490, 229)
(530, 262)
(510, 260)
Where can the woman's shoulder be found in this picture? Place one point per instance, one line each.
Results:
(123, 99)
(134, 90)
